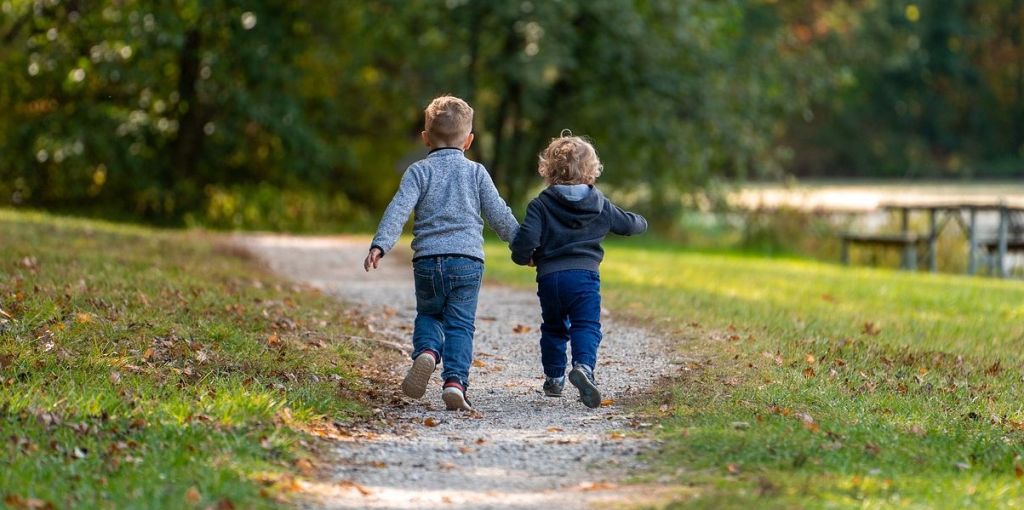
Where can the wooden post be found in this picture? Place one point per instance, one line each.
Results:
(1004, 225)
(933, 237)
(972, 242)
(905, 229)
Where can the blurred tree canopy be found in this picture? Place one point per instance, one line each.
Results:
(279, 114)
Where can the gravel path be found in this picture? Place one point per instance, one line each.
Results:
(522, 450)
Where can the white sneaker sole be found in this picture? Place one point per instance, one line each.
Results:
(415, 383)
(454, 400)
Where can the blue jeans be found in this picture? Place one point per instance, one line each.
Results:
(570, 306)
(447, 288)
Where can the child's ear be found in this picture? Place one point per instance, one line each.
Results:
(469, 141)
(426, 139)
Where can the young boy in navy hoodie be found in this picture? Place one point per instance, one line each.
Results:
(562, 236)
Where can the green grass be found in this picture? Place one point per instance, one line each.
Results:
(812, 385)
(152, 369)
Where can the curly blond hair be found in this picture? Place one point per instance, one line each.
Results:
(569, 159)
(448, 120)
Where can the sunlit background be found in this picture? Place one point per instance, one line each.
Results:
(709, 116)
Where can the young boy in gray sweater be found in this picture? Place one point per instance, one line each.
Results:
(562, 236)
(451, 197)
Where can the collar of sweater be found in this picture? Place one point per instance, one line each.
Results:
(444, 151)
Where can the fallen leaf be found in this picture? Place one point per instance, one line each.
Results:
(431, 422)
(808, 421)
(192, 495)
(994, 369)
(115, 378)
(810, 359)
(348, 484)
(465, 450)
(607, 402)
(732, 468)
(808, 372)
(1018, 471)
(596, 486)
(479, 364)
(480, 440)
(554, 429)
(872, 448)
(616, 436)
(305, 467)
(872, 329)
(520, 329)
(83, 318)
(445, 466)
(225, 504)
(273, 340)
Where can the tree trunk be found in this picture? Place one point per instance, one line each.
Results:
(187, 146)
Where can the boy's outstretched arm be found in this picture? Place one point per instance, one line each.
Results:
(494, 209)
(390, 227)
(625, 223)
(528, 238)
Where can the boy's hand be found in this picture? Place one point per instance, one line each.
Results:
(530, 263)
(372, 259)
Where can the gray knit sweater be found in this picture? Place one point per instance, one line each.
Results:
(449, 194)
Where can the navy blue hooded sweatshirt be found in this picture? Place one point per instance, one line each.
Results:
(564, 228)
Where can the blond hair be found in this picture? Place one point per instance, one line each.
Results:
(448, 120)
(569, 159)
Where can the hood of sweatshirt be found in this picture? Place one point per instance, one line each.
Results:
(570, 210)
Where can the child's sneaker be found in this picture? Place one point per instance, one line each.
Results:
(454, 396)
(553, 386)
(582, 377)
(415, 383)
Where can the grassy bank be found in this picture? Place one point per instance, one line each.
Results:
(812, 385)
(149, 369)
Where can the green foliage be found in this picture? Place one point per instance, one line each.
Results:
(136, 365)
(152, 110)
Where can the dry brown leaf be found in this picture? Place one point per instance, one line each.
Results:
(596, 486)
(616, 436)
(521, 328)
(732, 468)
(607, 402)
(445, 466)
(479, 364)
(810, 359)
(273, 340)
(480, 440)
(872, 329)
(554, 429)
(192, 495)
(348, 484)
(1018, 471)
(808, 372)
(83, 318)
(431, 422)
(305, 467)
